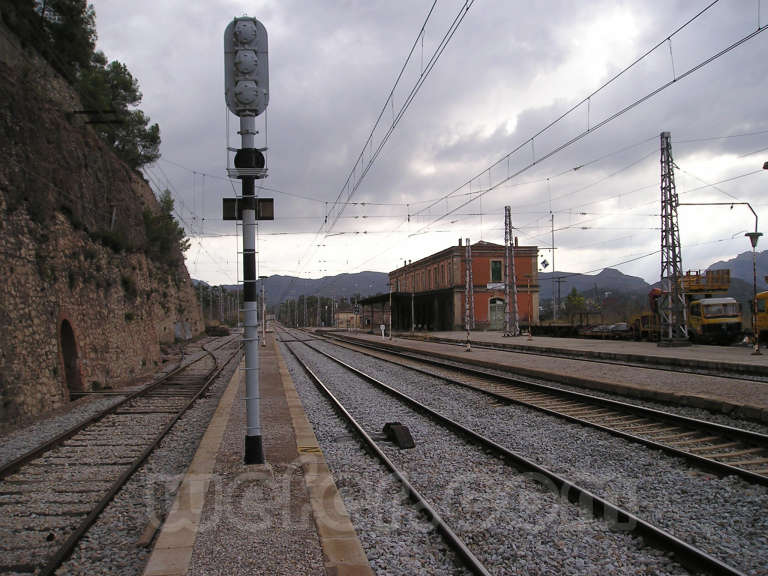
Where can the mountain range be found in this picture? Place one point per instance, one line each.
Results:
(280, 288)
(615, 281)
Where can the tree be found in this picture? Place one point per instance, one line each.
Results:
(71, 27)
(110, 86)
(166, 239)
(64, 33)
(574, 304)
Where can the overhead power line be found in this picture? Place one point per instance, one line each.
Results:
(353, 180)
(566, 144)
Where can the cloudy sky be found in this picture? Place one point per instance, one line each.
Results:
(445, 171)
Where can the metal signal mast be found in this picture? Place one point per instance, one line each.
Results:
(674, 323)
(511, 324)
(246, 92)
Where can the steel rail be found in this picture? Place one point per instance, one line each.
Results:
(12, 466)
(711, 426)
(716, 466)
(733, 372)
(452, 539)
(69, 544)
(618, 518)
(50, 564)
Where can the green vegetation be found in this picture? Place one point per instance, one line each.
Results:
(575, 304)
(166, 239)
(64, 33)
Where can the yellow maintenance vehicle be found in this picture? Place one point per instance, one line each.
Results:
(711, 318)
(762, 314)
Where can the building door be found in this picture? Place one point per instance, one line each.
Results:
(496, 314)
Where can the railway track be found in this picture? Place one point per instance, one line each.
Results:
(721, 370)
(714, 447)
(617, 518)
(50, 496)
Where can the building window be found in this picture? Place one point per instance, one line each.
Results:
(496, 271)
(442, 274)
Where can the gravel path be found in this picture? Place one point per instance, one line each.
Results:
(727, 517)
(396, 539)
(510, 523)
(110, 546)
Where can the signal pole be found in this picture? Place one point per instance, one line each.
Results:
(246, 81)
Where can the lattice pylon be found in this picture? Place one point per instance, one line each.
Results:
(672, 312)
(511, 321)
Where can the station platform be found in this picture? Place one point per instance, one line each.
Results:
(563, 360)
(283, 517)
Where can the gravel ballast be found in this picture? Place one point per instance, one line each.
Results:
(396, 539)
(726, 517)
(111, 544)
(507, 520)
(687, 411)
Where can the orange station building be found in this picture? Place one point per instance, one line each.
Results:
(430, 292)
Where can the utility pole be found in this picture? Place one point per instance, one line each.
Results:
(555, 300)
(674, 323)
(202, 306)
(390, 310)
(318, 311)
(413, 304)
(246, 80)
(263, 312)
(471, 288)
(468, 293)
(511, 322)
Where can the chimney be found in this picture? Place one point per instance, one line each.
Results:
(459, 241)
(515, 241)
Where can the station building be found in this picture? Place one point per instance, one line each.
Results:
(430, 292)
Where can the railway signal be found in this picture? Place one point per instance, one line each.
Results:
(246, 91)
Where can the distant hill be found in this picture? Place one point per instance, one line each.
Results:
(282, 288)
(608, 279)
(741, 267)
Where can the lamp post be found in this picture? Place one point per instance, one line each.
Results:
(753, 238)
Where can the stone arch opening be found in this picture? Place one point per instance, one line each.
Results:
(71, 359)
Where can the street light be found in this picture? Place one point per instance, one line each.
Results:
(753, 238)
